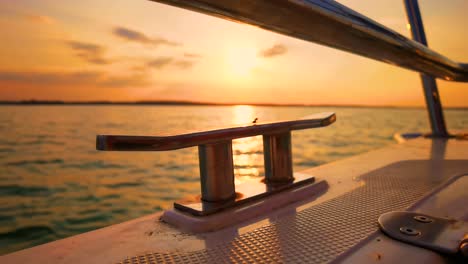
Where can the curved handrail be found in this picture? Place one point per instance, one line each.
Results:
(335, 25)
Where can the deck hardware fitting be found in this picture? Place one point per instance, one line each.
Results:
(447, 236)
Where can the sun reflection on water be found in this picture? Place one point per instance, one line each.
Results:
(243, 114)
(248, 158)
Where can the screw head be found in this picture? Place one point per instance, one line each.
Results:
(409, 231)
(423, 219)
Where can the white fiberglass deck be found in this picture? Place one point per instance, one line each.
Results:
(338, 223)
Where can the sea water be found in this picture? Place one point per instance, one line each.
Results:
(54, 184)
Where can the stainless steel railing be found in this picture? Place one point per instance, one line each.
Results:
(334, 25)
(431, 93)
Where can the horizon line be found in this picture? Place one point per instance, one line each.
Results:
(199, 103)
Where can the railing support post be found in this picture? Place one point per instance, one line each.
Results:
(216, 171)
(431, 93)
(278, 158)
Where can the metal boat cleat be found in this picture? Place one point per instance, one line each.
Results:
(218, 191)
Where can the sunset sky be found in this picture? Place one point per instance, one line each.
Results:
(127, 50)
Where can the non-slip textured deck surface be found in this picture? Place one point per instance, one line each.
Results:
(320, 233)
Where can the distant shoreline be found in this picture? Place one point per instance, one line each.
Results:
(190, 103)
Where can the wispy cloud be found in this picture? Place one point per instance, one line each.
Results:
(45, 78)
(133, 35)
(160, 62)
(274, 51)
(184, 64)
(163, 62)
(74, 79)
(39, 19)
(90, 52)
(192, 55)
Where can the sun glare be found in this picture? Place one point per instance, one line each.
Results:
(240, 61)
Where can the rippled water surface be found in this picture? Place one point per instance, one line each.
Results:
(54, 184)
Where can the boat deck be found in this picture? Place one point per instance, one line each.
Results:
(337, 222)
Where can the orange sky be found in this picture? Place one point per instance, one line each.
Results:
(139, 50)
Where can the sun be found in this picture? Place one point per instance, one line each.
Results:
(240, 61)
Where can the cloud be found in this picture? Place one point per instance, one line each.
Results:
(192, 55)
(160, 62)
(132, 35)
(39, 19)
(274, 51)
(91, 53)
(163, 62)
(80, 78)
(184, 64)
(139, 80)
(45, 78)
